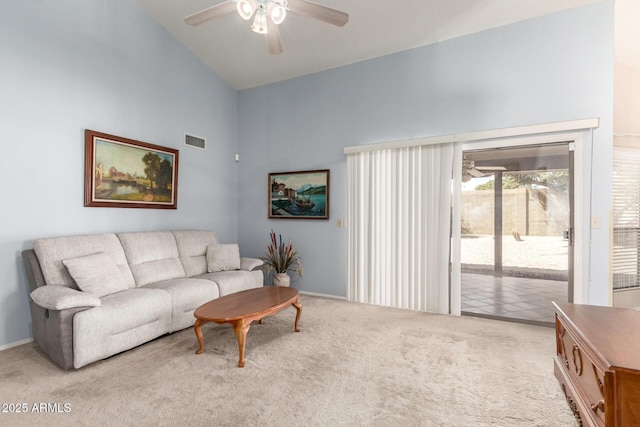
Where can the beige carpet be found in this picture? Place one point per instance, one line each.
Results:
(351, 364)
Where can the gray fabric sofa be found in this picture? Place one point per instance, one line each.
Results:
(93, 296)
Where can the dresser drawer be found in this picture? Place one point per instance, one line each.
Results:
(583, 414)
(586, 374)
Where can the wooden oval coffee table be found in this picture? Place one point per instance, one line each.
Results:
(241, 308)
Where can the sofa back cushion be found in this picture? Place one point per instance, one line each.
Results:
(192, 246)
(53, 250)
(152, 256)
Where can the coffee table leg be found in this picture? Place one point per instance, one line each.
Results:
(197, 327)
(241, 328)
(298, 307)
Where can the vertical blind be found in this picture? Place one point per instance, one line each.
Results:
(399, 216)
(626, 217)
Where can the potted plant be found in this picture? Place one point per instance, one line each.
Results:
(281, 258)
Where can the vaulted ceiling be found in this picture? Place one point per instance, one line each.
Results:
(375, 28)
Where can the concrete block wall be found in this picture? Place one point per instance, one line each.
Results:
(538, 212)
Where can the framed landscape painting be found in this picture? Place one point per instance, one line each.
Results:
(299, 195)
(123, 173)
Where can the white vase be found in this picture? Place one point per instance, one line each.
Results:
(281, 279)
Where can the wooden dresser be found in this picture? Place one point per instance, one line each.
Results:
(597, 363)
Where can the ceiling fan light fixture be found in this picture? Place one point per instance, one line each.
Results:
(259, 24)
(246, 8)
(277, 13)
(267, 15)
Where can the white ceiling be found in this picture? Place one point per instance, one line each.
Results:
(375, 28)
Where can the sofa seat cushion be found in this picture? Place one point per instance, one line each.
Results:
(153, 256)
(223, 258)
(124, 320)
(234, 280)
(186, 296)
(96, 274)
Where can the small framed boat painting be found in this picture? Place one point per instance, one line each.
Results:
(123, 173)
(299, 195)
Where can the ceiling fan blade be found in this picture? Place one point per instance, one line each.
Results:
(475, 173)
(491, 168)
(213, 12)
(323, 13)
(274, 42)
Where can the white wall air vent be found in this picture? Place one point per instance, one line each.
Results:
(195, 141)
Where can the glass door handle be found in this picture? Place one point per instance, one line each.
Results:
(571, 236)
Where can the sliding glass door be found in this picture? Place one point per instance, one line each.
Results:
(516, 231)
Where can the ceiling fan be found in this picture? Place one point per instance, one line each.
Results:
(470, 170)
(268, 14)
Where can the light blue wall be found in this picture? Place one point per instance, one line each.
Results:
(553, 68)
(106, 65)
(69, 65)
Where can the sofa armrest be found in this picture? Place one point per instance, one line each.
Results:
(249, 264)
(62, 298)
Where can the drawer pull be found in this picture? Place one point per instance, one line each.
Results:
(575, 361)
(599, 406)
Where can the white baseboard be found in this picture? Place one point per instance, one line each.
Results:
(314, 294)
(15, 344)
